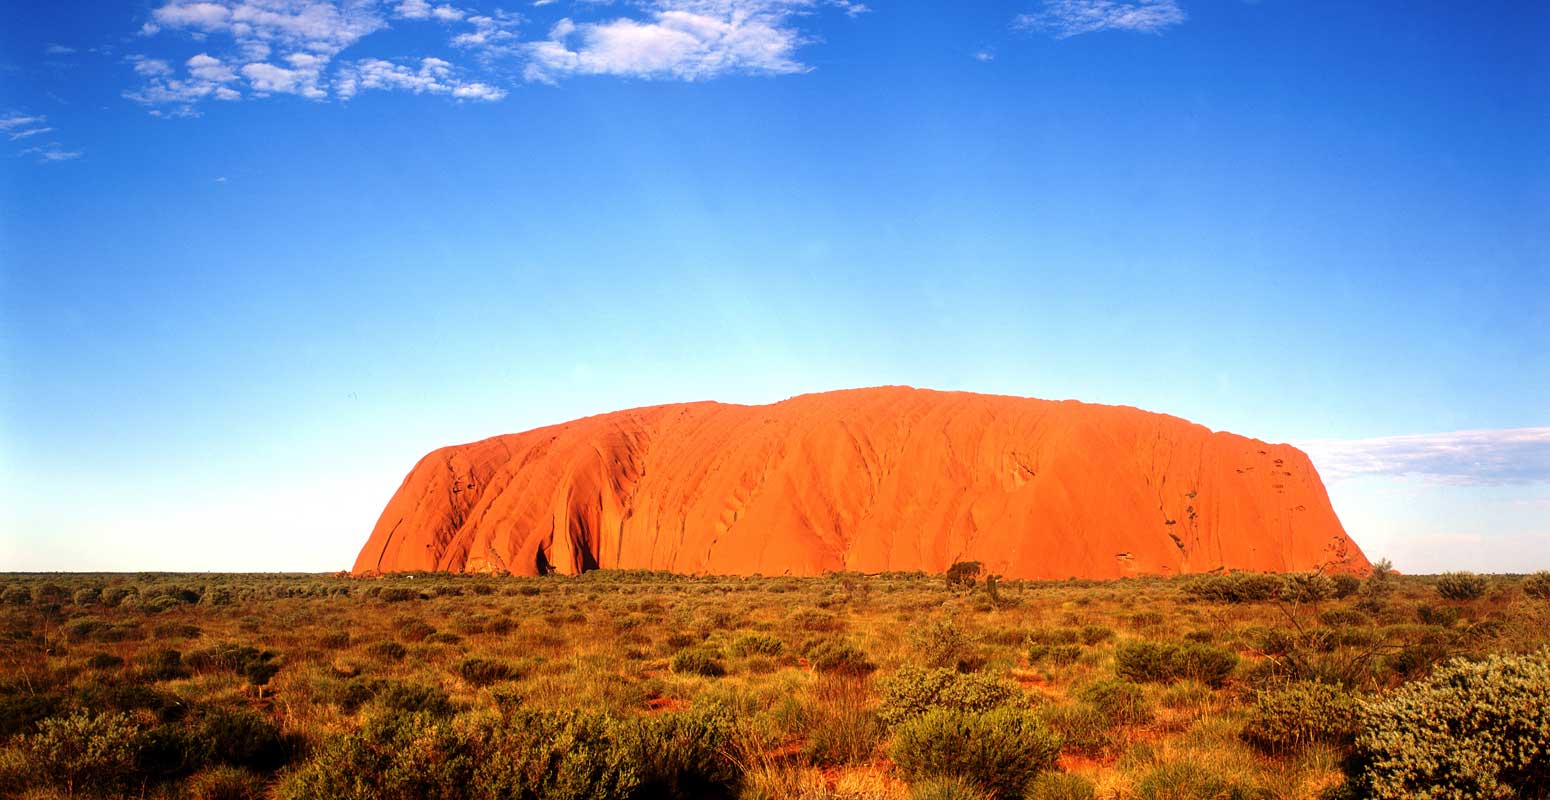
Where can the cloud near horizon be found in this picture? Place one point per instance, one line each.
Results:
(1477, 457)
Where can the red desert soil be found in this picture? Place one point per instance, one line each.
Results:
(865, 480)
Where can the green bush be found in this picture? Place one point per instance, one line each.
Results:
(914, 691)
(1289, 717)
(1462, 586)
(84, 753)
(1234, 587)
(1307, 587)
(942, 643)
(680, 755)
(243, 738)
(528, 754)
(1156, 662)
(1346, 585)
(1469, 729)
(999, 751)
(1120, 702)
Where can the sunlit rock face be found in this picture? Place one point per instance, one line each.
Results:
(865, 480)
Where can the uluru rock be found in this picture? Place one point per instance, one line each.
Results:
(865, 480)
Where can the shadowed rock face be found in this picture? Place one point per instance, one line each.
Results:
(866, 480)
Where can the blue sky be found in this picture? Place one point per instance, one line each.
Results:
(260, 255)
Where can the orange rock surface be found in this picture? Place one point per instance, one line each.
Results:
(866, 480)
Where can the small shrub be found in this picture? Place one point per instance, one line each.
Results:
(697, 662)
(104, 661)
(1120, 702)
(1287, 718)
(484, 671)
(226, 783)
(1081, 728)
(946, 789)
(387, 651)
(1461, 586)
(1307, 587)
(757, 644)
(1438, 615)
(1061, 786)
(334, 640)
(414, 630)
(1337, 617)
(815, 621)
(1095, 634)
(162, 665)
(1537, 586)
(999, 751)
(914, 691)
(1469, 729)
(838, 657)
(1058, 654)
(1185, 780)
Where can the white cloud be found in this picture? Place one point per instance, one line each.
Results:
(206, 78)
(319, 26)
(1065, 18)
(493, 34)
(420, 9)
(1480, 457)
(29, 132)
(433, 76)
(413, 9)
(682, 39)
(18, 126)
(59, 50)
(302, 77)
(984, 55)
(205, 67)
(18, 121)
(51, 152)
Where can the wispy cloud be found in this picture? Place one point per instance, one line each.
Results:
(51, 152)
(17, 126)
(1480, 457)
(1066, 18)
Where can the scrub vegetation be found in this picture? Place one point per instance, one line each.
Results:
(887, 687)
